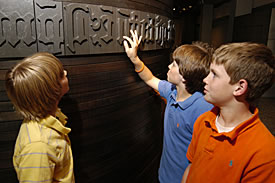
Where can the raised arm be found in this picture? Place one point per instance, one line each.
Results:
(144, 73)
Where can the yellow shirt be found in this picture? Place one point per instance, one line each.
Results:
(43, 152)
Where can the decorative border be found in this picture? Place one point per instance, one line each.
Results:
(64, 28)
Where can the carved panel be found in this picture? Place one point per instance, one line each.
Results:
(102, 32)
(17, 28)
(147, 31)
(76, 24)
(64, 28)
(122, 17)
(49, 26)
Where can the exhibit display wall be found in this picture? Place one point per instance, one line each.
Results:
(116, 120)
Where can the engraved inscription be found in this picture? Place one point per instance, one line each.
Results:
(65, 28)
(76, 27)
(122, 24)
(49, 25)
(102, 29)
(17, 28)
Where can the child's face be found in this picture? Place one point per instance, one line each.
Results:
(217, 89)
(173, 75)
(64, 84)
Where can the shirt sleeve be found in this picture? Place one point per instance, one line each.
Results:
(264, 173)
(165, 88)
(36, 163)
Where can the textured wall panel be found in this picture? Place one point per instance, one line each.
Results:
(49, 25)
(147, 31)
(17, 28)
(65, 28)
(96, 29)
(77, 25)
(160, 7)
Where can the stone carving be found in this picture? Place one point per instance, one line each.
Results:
(64, 28)
(49, 26)
(17, 28)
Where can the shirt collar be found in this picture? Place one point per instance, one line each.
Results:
(210, 122)
(188, 102)
(57, 123)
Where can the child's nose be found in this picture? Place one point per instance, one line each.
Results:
(169, 66)
(206, 78)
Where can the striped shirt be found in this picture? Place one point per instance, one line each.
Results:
(43, 152)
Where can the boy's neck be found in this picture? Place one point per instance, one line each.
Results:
(233, 116)
(182, 93)
(53, 112)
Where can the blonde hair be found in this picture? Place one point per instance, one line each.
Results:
(250, 61)
(194, 62)
(33, 85)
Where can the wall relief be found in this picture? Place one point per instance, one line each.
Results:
(64, 28)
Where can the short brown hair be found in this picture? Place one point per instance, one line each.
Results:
(33, 85)
(250, 61)
(194, 61)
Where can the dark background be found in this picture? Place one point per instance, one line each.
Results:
(116, 119)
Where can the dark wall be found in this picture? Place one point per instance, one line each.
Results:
(253, 27)
(116, 119)
(219, 31)
(227, 27)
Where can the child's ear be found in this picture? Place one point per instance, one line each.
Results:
(241, 87)
(182, 79)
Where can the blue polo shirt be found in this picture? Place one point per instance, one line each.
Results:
(179, 119)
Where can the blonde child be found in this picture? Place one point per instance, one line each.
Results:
(42, 151)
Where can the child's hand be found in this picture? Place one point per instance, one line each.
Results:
(132, 51)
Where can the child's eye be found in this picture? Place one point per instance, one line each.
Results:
(214, 74)
(174, 63)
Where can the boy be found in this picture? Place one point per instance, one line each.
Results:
(42, 151)
(230, 143)
(185, 101)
